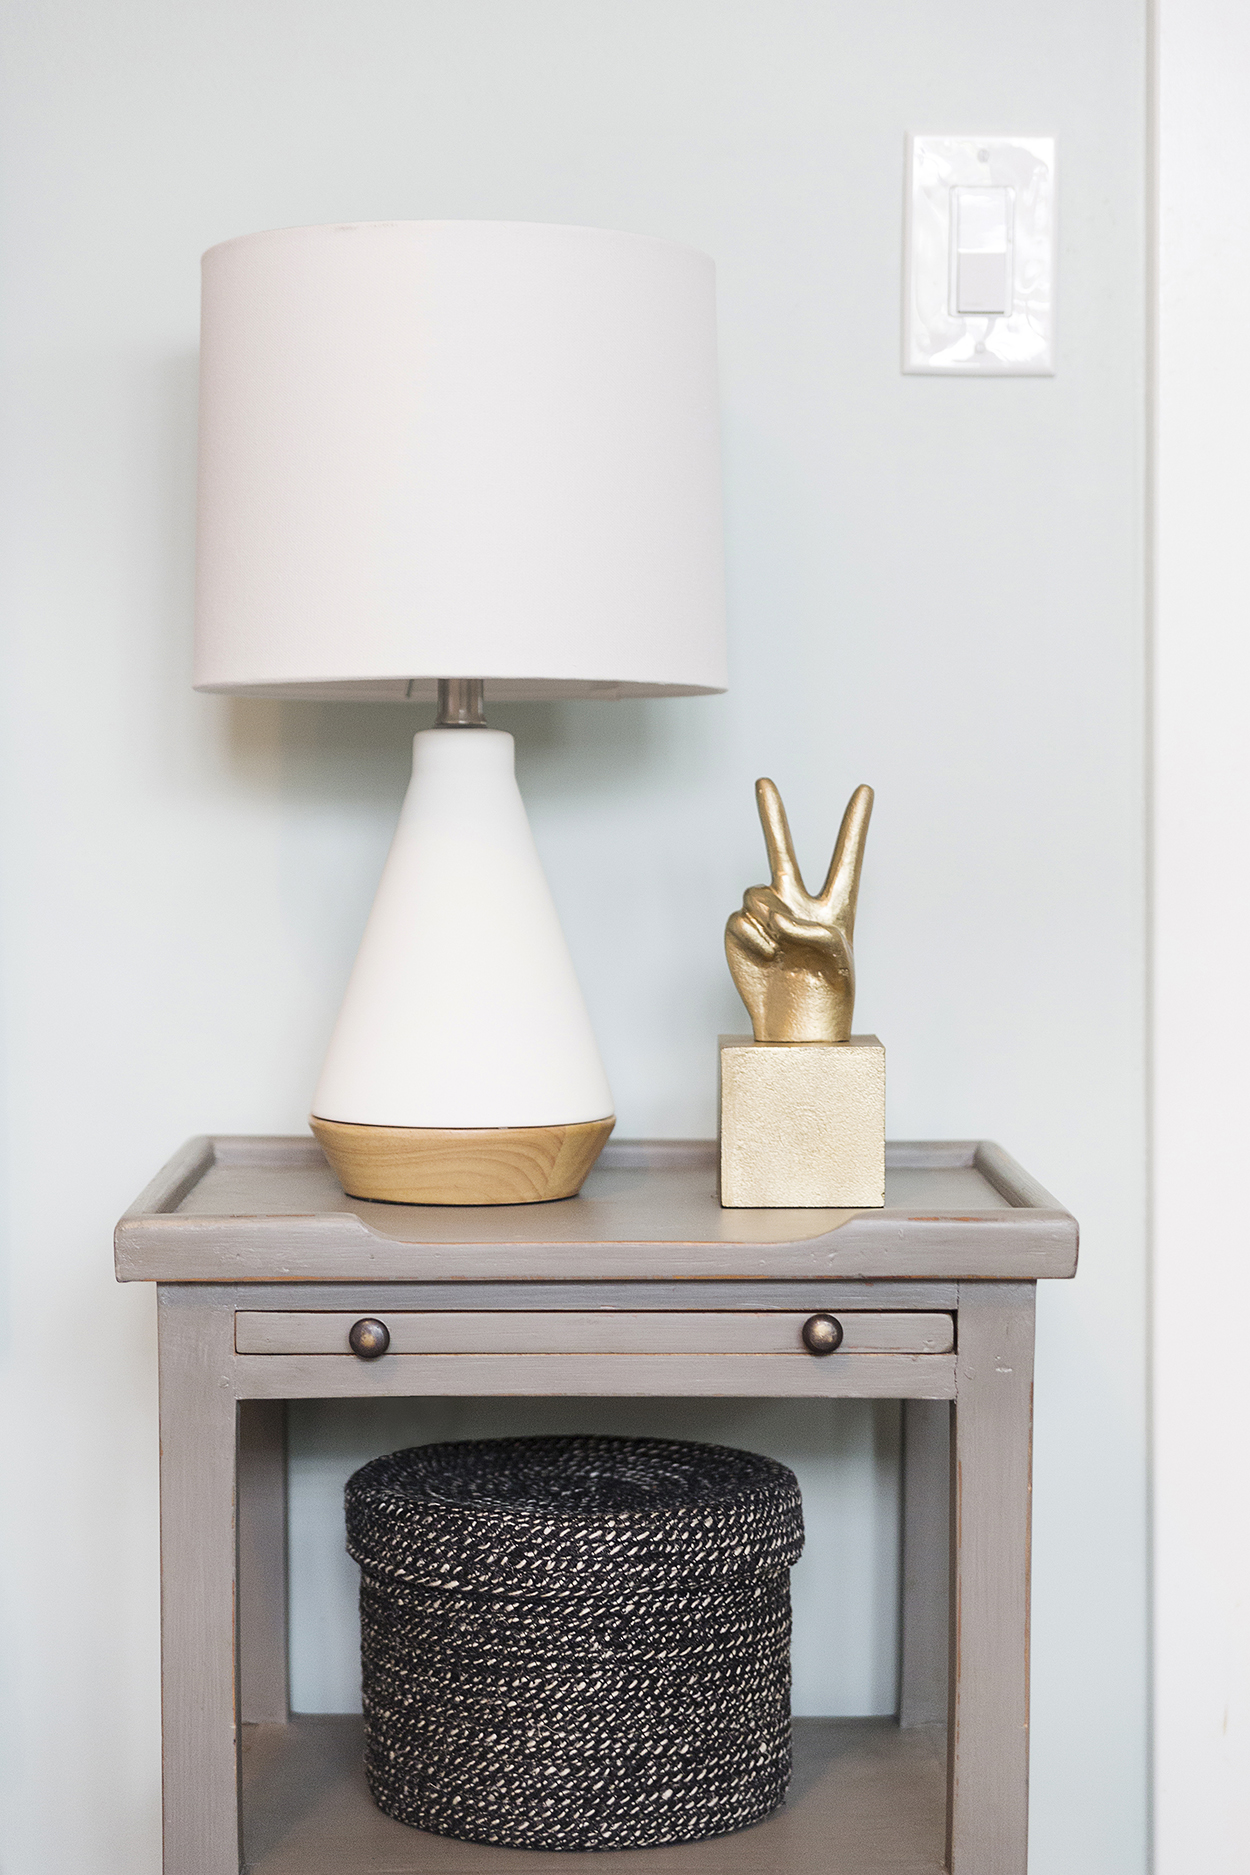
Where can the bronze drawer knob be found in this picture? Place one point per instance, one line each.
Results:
(821, 1334)
(370, 1337)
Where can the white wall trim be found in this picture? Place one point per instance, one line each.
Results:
(1201, 938)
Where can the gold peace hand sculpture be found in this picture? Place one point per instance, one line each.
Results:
(791, 955)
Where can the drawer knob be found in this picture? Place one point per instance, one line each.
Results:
(821, 1334)
(370, 1337)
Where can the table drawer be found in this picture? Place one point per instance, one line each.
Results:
(465, 1331)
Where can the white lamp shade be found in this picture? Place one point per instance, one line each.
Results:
(446, 449)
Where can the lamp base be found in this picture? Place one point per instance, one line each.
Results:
(463, 1164)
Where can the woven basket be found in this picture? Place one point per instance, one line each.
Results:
(575, 1643)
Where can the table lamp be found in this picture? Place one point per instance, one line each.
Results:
(462, 461)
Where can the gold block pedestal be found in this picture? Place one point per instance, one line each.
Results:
(802, 1124)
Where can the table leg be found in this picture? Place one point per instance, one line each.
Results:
(263, 1689)
(926, 1562)
(198, 1693)
(988, 1738)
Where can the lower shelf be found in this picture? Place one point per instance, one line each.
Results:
(867, 1799)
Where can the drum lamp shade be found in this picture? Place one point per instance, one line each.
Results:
(440, 449)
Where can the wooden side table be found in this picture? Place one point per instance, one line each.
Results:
(643, 1285)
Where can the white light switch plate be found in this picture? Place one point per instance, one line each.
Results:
(979, 290)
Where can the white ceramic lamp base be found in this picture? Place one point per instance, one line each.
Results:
(463, 1068)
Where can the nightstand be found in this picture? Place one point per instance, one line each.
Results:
(642, 1285)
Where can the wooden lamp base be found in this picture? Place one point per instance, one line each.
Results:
(462, 1165)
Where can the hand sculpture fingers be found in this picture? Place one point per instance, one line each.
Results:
(781, 861)
(765, 918)
(791, 955)
(818, 937)
(763, 904)
(753, 937)
(840, 892)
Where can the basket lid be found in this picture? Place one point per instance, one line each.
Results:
(562, 1516)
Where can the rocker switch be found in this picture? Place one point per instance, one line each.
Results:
(981, 235)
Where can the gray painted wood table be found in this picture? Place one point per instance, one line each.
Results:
(642, 1285)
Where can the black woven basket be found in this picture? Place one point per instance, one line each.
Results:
(575, 1643)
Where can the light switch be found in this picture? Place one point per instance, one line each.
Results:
(979, 257)
(981, 227)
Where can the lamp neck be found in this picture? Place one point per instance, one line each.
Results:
(461, 703)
